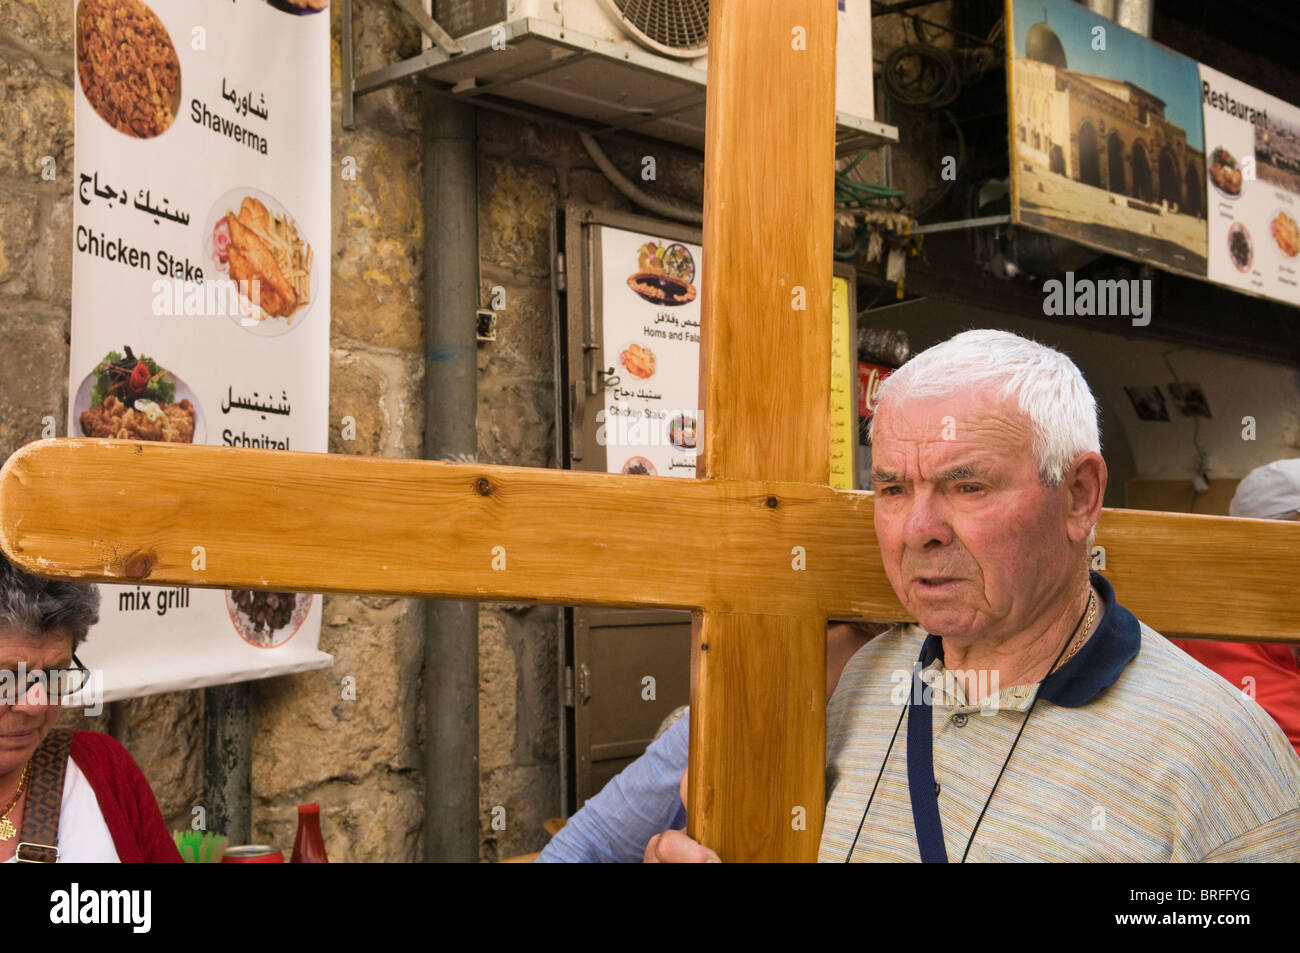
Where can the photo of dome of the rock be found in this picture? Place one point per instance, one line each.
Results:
(1107, 136)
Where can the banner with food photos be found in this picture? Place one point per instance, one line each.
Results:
(1253, 161)
(650, 322)
(200, 290)
(1123, 145)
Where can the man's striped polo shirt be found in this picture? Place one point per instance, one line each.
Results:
(1134, 752)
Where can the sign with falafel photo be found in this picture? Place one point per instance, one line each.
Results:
(650, 321)
(200, 290)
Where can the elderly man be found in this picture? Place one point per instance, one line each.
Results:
(1043, 721)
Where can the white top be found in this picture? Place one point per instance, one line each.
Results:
(83, 835)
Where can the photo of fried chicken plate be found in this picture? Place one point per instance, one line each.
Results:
(168, 423)
(251, 259)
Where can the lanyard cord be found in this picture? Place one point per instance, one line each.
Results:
(971, 839)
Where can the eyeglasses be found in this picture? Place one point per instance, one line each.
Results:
(60, 683)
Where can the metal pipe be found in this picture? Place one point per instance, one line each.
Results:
(660, 205)
(451, 296)
(228, 761)
(1135, 15)
(1105, 8)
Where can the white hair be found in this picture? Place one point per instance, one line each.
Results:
(1049, 387)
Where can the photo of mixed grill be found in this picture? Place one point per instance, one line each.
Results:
(127, 66)
(1240, 248)
(267, 619)
(254, 241)
(134, 398)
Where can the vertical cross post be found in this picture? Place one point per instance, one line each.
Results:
(755, 789)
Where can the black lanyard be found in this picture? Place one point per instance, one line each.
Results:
(920, 773)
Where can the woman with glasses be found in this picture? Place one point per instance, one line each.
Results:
(65, 797)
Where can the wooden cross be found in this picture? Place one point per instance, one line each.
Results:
(761, 550)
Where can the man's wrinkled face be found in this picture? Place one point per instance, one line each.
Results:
(973, 543)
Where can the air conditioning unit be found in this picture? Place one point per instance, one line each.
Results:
(677, 29)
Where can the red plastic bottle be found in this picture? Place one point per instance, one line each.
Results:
(309, 846)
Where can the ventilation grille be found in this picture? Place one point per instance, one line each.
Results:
(680, 26)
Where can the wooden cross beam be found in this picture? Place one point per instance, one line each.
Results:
(762, 550)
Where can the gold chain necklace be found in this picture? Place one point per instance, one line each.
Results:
(7, 829)
(1083, 634)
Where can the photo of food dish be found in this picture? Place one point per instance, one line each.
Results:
(127, 66)
(662, 289)
(252, 240)
(1240, 248)
(664, 274)
(640, 466)
(1286, 234)
(300, 7)
(681, 431)
(130, 397)
(639, 361)
(267, 619)
(1224, 172)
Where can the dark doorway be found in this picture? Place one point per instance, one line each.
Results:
(1057, 160)
(1193, 189)
(1089, 156)
(1142, 188)
(1115, 164)
(1171, 183)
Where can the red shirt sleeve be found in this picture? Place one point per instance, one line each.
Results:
(125, 799)
(1267, 669)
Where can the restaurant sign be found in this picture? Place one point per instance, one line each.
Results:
(200, 291)
(1125, 146)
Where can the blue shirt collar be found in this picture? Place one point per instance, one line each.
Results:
(1095, 667)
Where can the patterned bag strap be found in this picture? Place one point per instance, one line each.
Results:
(39, 841)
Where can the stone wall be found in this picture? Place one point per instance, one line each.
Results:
(525, 171)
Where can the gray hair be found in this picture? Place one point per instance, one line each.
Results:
(36, 605)
(1047, 386)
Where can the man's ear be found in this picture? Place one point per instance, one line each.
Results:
(1085, 483)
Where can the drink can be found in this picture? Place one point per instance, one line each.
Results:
(252, 854)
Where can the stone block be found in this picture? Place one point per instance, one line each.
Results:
(32, 338)
(498, 714)
(516, 422)
(525, 344)
(378, 818)
(164, 733)
(377, 293)
(52, 257)
(529, 794)
(35, 121)
(45, 25)
(309, 731)
(356, 391)
(514, 215)
(18, 212)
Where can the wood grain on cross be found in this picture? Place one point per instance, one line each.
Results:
(769, 551)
